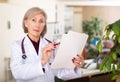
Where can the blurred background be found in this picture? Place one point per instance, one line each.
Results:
(88, 16)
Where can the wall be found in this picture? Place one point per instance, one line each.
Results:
(77, 19)
(2, 1)
(73, 18)
(8, 34)
(49, 8)
(108, 13)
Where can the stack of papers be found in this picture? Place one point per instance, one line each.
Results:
(71, 44)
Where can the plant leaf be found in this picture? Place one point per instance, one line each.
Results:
(114, 77)
(118, 39)
(114, 56)
(113, 36)
(99, 46)
(103, 64)
(118, 65)
(116, 29)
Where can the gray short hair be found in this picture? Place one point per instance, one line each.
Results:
(32, 12)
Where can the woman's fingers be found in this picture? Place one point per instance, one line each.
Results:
(51, 46)
(80, 57)
(48, 50)
(78, 61)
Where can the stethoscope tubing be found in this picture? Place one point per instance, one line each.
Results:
(23, 49)
(24, 56)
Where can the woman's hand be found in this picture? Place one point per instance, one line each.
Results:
(47, 52)
(78, 61)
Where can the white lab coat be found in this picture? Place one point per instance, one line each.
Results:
(30, 69)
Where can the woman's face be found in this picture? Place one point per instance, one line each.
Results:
(35, 25)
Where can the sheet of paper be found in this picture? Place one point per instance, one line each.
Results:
(71, 44)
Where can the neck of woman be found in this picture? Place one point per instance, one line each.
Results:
(34, 38)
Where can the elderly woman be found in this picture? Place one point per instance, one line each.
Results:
(30, 57)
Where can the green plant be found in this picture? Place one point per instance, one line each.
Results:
(111, 62)
(93, 28)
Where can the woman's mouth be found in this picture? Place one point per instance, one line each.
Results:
(36, 30)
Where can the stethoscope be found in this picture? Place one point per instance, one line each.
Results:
(23, 49)
(24, 56)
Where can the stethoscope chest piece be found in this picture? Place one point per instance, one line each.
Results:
(24, 56)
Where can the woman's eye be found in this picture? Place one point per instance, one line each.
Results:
(33, 20)
(41, 21)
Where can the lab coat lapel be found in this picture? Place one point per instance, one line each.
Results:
(29, 47)
(42, 44)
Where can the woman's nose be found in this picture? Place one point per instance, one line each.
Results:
(37, 24)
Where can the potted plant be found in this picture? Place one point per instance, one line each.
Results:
(111, 61)
(93, 28)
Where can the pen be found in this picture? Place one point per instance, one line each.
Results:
(55, 44)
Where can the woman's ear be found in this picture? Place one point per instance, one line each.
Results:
(25, 23)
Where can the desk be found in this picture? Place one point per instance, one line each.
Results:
(90, 75)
